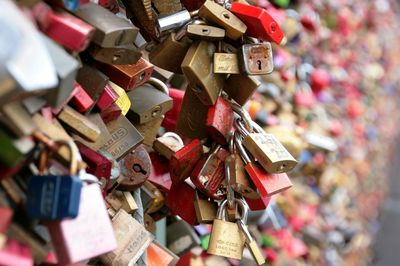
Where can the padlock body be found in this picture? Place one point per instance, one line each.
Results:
(206, 211)
(267, 184)
(241, 87)
(240, 181)
(184, 160)
(256, 59)
(53, 197)
(170, 53)
(271, 154)
(226, 240)
(220, 121)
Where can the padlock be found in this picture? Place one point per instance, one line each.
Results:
(135, 169)
(198, 69)
(66, 67)
(271, 154)
(129, 76)
(173, 21)
(98, 165)
(157, 101)
(217, 14)
(171, 117)
(92, 81)
(132, 239)
(256, 58)
(92, 219)
(192, 117)
(226, 63)
(168, 144)
(251, 244)
(123, 101)
(80, 123)
(168, 7)
(176, 44)
(220, 121)
(152, 198)
(181, 237)
(180, 201)
(17, 119)
(209, 174)
(107, 98)
(67, 30)
(259, 23)
(111, 30)
(239, 180)
(150, 130)
(122, 200)
(118, 55)
(258, 204)
(241, 87)
(81, 100)
(111, 113)
(54, 197)
(206, 210)
(159, 174)
(267, 184)
(124, 138)
(205, 32)
(15, 253)
(158, 255)
(226, 239)
(184, 160)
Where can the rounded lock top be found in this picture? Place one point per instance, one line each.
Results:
(74, 156)
(221, 214)
(159, 85)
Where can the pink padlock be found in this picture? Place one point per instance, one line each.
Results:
(15, 253)
(89, 235)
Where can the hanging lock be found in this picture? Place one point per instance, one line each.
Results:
(55, 197)
(209, 173)
(259, 23)
(271, 154)
(226, 238)
(256, 58)
(168, 144)
(198, 68)
(220, 121)
(251, 244)
(267, 184)
(217, 14)
(118, 55)
(111, 30)
(206, 210)
(205, 33)
(150, 101)
(176, 44)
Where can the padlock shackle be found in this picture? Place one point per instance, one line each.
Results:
(221, 213)
(159, 85)
(230, 194)
(242, 152)
(174, 136)
(245, 231)
(74, 156)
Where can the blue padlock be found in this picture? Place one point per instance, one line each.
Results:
(54, 197)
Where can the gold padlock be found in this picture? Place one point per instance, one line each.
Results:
(206, 211)
(226, 238)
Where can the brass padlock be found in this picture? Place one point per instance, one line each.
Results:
(198, 69)
(119, 55)
(217, 14)
(271, 154)
(168, 144)
(206, 211)
(170, 53)
(150, 101)
(241, 87)
(226, 63)
(111, 30)
(205, 32)
(226, 238)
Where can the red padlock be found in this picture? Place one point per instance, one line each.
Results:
(81, 100)
(259, 23)
(319, 80)
(209, 173)
(107, 98)
(159, 174)
(64, 28)
(267, 184)
(180, 201)
(98, 165)
(169, 122)
(110, 113)
(220, 121)
(184, 160)
(258, 204)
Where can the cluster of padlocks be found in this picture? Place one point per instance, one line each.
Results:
(155, 132)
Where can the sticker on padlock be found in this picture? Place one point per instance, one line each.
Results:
(256, 59)
(55, 197)
(227, 239)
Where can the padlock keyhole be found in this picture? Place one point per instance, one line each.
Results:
(139, 169)
(259, 64)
